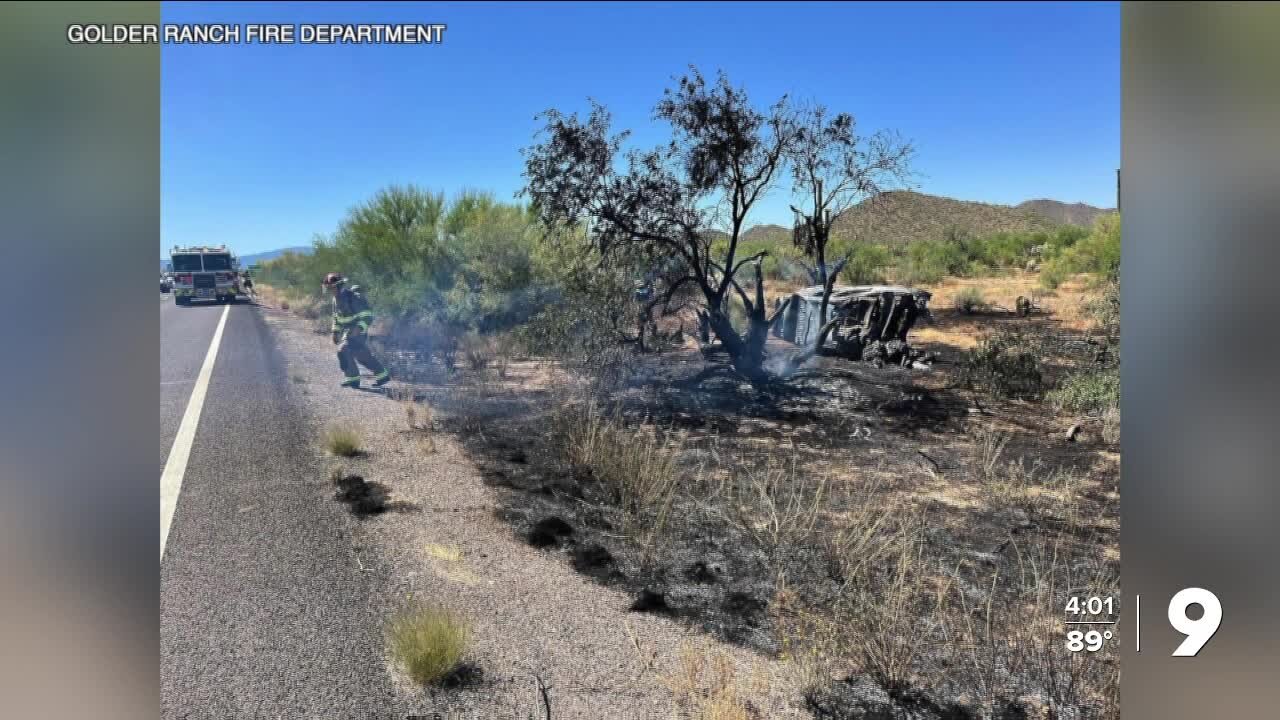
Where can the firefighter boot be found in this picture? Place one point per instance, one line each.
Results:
(350, 371)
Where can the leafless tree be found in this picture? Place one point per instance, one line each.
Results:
(834, 169)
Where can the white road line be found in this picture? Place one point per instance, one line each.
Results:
(176, 466)
(1137, 624)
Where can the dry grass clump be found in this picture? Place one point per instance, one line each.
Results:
(478, 350)
(876, 624)
(421, 421)
(418, 416)
(1111, 425)
(635, 464)
(341, 440)
(775, 503)
(707, 684)
(885, 616)
(429, 642)
(1029, 486)
(969, 300)
(506, 348)
(1009, 639)
(311, 308)
(468, 408)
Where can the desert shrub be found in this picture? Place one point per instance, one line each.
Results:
(1064, 237)
(1106, 309)
(1098, 253)
(867, 261)
(311, 308)
(449, 357)
(1090, 391)
(506, 348)
(1053, 275)
(477, 350)
(959, 254)
(1006, 249)
(596, 307)
(928, 261)
(1111, 425)
(341, 440)
(1006, 364)
(970, 300)
(429, 642)
(470, 261)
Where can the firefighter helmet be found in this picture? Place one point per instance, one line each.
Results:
(333, 279)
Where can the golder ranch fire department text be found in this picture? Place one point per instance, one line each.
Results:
(223, 34)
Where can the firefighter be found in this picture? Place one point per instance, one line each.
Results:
(351, 320)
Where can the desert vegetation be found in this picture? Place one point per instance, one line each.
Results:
(429, 643)
(904, 539)
(341, 440)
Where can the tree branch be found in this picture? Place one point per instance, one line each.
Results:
(781, 309)
(742, 294)
(758, 256)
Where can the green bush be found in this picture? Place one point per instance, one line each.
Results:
(1065, 237)
(1094, 392)
(929, 261)
(1098, 253)
(1106, 309)
(595, 308)
(782, 262)
(959, 254)
(472, 263)
(1006, 364)
(1053, 275)
(867, 261)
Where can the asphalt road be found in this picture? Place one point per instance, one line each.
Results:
(265, 611)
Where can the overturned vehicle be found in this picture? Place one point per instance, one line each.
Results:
(865, 322)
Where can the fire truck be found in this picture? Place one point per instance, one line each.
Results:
(205, 273)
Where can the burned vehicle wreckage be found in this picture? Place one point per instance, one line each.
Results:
(865, 322)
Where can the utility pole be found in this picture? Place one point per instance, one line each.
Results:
(1118, 190)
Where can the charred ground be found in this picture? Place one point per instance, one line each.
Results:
(869, 523)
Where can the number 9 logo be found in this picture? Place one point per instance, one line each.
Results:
(1198, 631)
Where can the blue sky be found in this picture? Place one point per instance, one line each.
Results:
(266, 146)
